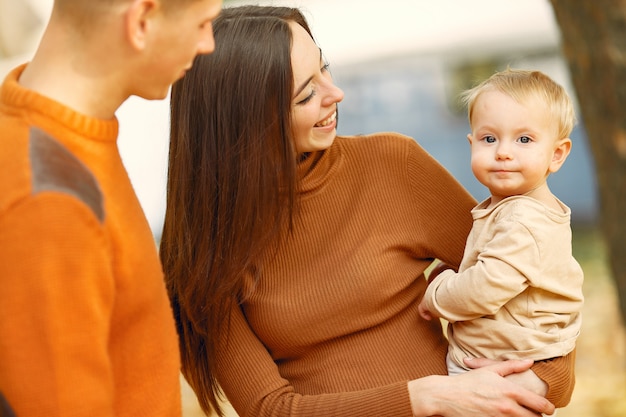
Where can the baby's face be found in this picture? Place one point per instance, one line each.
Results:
(513, 144)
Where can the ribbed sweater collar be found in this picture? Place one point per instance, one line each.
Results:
(319, 168)
(17, 99)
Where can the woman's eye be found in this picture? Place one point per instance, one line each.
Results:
(307, 98)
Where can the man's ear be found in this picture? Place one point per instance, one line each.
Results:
(137, 21)
(561, 151)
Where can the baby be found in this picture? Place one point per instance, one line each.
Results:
(518, 291)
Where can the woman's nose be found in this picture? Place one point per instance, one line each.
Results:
(333, 94)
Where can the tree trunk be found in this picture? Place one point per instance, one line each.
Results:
(594, 45)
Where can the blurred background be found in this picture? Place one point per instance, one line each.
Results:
(402, 64)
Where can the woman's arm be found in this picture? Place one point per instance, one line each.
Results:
(553, 378)
(558, 374)
(478, 392)
(254, 386)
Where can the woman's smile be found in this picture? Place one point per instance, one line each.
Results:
(328, 120)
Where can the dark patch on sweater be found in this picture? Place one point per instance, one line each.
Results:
(5, 408)
(55, 168)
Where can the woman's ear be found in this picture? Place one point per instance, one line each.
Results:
(137, 21)
(561, 151)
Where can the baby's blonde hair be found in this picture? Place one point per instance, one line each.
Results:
(523, 85)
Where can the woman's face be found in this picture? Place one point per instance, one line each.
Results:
(315, 97)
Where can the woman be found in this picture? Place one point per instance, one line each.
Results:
(295, 259)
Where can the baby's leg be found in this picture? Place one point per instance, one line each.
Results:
(453, 367)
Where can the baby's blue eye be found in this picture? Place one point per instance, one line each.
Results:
(490, 139)
(525, 139)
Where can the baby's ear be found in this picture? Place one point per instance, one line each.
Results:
(470, 138)
(561, 151)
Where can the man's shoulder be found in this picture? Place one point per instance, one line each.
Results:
(34, 162)
(55, 168)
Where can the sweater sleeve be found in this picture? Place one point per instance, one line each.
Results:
(263, 392)
(442, 206)
(558, 373)
(54, 354)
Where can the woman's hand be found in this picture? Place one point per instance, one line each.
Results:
(479, 392)
(527, 379)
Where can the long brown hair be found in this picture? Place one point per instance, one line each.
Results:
(232, 186)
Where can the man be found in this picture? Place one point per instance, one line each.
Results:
(86, 327)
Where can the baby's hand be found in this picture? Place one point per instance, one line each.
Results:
(424, 312)
(438, 269)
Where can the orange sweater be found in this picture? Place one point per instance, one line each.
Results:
(331, 328)
(86, 328)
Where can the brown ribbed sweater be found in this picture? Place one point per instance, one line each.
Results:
(331, 328)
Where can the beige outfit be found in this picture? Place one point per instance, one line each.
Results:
(518, 292)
